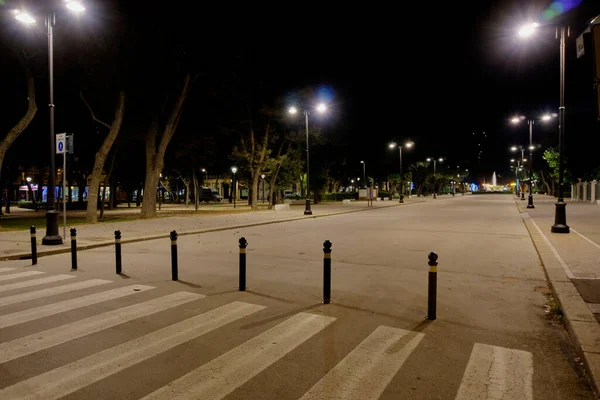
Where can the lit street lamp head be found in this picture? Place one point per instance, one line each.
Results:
(528, 29)
(408, 145)
(392, 145)
(546, 117)
(321, 108)
(514, 148)
(293, 110)
(428, 159)
(24, 17)
(234, 169)
(75, 6)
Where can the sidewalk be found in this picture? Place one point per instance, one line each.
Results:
(16, 244)
(572, 266)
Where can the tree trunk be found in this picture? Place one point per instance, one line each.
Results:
(23, 123)
(155, 156)
(195, 182)
(92, 205)
(255, 179)
(9, 193)
(102, 197)
(543, 176)
(187, 193)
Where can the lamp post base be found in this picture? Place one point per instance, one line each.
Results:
(52, 237)
(560, 218)
(530, 201)
(307, 210)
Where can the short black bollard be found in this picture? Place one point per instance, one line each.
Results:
(174, 266)
(33, 245)
(432, 293)
(326, 272)
(243, 245)
(118, 251)
(74, 249)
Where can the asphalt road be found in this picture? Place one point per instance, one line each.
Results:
(100, 338)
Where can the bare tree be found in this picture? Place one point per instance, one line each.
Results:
(24, 122)
(155, 155)
(113, 130)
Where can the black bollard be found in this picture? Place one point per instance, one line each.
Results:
(243, 245)
(118, 251)
(33, 245)
(74, 249)
(174, 271)
(326, 272)
(432, 293)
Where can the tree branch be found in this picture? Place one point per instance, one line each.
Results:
(92, 112)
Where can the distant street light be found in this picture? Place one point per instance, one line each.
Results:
(560, 210)
(364, 173)
(233, 191)
(408, 145)
(321, 108)
(263, 188)
(429, 159)
(52, 237)
(531, 147)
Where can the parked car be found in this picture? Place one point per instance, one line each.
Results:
(209, 195)
(288, 194)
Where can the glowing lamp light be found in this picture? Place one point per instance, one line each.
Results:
(293, 110)
(24, 17)
(75, 6)
(546, 117)
(234, 169)
(321, 108)
(409, 144)
(392, 145)
(528, 29)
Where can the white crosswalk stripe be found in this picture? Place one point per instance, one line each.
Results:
(38, 294)
(368, 369)
(34, 282)
(224, 374)
(6, 269)
(76, 375)
(67, 305)
(42, 340)
(497, 373)
(18, 275)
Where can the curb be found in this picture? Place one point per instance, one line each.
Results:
(581, 322)
(42, 253)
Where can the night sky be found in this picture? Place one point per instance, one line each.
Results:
(433, 73)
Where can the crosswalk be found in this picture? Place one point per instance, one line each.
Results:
(364, 372)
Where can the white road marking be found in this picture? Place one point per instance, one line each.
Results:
(590, 241)
(497, 373)
(35, 282)
(17, 298)
(19, 275)
(224, 374)
(6, 269)
(367, 370)
(42, 340)
(67, 379)
(67, 305)
(558, 257)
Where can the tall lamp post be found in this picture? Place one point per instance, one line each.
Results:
(234, 170)
(263, 188)
(408, 145)
(530, 123)
(52, 237)
(434, 169)
(523, 161)
(560, 209)
(364, 172)
(293, 110)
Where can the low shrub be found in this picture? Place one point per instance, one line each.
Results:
(339, 196)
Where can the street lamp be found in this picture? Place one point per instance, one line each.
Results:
(321, 108)
(429, 159)
(234, 170)
(530, 122)
(408, 145)
(515, 148)
(560, 210)
(52, 237)
(364, 173)
(263, 188)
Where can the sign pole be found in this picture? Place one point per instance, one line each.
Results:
(64, 196)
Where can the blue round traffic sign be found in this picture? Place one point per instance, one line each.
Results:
(60, 146)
